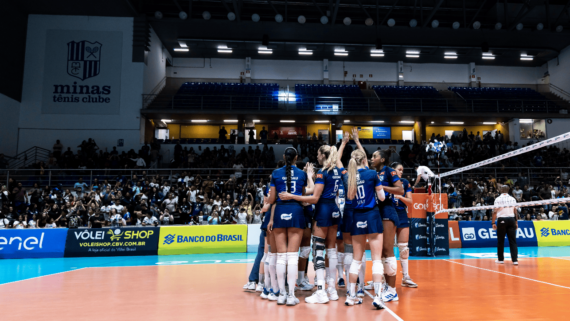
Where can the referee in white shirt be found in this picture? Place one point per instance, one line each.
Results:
(506, 224)
(427, 175)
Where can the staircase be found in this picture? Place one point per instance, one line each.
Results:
(456, 102)
(558, 100)
(375, 103)
(31, 156)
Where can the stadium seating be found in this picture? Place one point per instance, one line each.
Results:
(227, 95)
(411, 98)
(327, 97)
(499, 99)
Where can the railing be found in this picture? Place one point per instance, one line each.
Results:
(154, 92)
(332, 103)
(68, 177)
(30, 156)
(560, 92)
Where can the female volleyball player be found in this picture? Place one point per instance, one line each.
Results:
(327, 217)
(392, 186)
(287, 222)
(403, 229)
(363, 184)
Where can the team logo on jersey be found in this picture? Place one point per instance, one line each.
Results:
(320, 176)
(83, 59)
(362, 224)
(286, 217)
(382, 173)
(335, 214)
(344, 172)
(393, 173)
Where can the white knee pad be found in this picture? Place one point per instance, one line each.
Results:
(272, 259)
(347, 258)
(332, 254)
(404, 251)
(293, 260)
(390, 266)
(355, 266)
(282, 258)
(305, 251)
(377, 267)
(264, 258)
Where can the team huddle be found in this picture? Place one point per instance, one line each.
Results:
(335, 211)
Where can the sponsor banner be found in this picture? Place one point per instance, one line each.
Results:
(481, 234)
(454, 237)
(287, 132)
(122, 241)
(552, 233)
(424, 203)
(32, 243)
(374, 132)
(202, 239)
(418, 237)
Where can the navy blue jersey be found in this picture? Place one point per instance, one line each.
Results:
(401, 206)
(298, 181)
(388, 177)
(366, 182)
(332, 180)
(344, 174)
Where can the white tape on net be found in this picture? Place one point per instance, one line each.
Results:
(519, 151)
(490, 207)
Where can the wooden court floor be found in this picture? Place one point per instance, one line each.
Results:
(456, 289)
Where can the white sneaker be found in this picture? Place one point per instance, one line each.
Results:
(390, 295)
(272, 296)
(259, 287)
(516, 263)
(332, 294)
(264, 294)
(319, 296)
(282, 299)
(292, 300)
(377, 303)
(499, 262)
(407, 282)
(352, 300)
(305, 286)
(249, 285)
(360, 293)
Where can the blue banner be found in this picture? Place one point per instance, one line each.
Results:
(116, 241)
(418, 242)
(481, 234)
(32, 243)
(381, 133)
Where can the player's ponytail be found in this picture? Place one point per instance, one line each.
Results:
(290, 155)
(331, 155)
(356, 159)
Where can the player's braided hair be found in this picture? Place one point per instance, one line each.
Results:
(290, 154)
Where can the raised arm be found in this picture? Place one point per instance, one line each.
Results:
(345, 140)
(355, 138)
(310, 183)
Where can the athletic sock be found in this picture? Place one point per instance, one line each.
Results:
(362, 272)
(300, 277)
(320, 272)
(339, 265)
(273, 272)
(352, 289)
(404, 264)
(378, 288)
(333, 261)
(261, 278)
(292, 264)
(266, 270)
(347, 263)
(281, 269)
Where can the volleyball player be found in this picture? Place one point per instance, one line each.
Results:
(302, 281)
(287, 223)
(363, 184)
(403, 229)
(392, 186)
(327, 217)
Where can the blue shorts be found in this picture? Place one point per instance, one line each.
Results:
(403, 220)
(288, 215)
(266, 219)
(327, 213)
(388, 213)
(346, 225)
(309, 214)
(366, 222)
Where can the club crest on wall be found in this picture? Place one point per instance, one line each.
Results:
(83, 59)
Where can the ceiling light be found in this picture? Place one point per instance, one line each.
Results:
(450, 55)
(456, 122)
(412, 56)
(231, 16)
(407, 121)
(489, 123)
(434, 24)
(182, 44)
(321, 121)
(224, 50)
(181, 49)
(301, 19)
(559, 29)
(255, 17)
(520, 26)
(376, 55)
(525, 121)
(369, 22)
(341, 53)
(526, 57)
(432, 122)
(230, 120)
(476, 25)
(287, 121)
(413, 23)
(183, 15)
(347, 21)
(256, 120)
(539, 26)
(391, 22)
(158, 15)
(456, 25)
(264, 50)
(339, 50)
(206, 15)
(199, 120)
(166, 120)
(377, 121)
(324, 20)
(304, 51)
(347, 121)
(413, 52)
(488, 58)
(498, 26)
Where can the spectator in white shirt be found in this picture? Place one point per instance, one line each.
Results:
(553, 214)
(20, 223)
(150, 220)
(242, 216)
(116, 219)
(170, 203)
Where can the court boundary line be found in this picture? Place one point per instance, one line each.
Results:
(41, 276)
(565, 258)
(386, 308)
(516, 276)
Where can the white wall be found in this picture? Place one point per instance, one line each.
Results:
(10, 111)
(559, 69)
(37, 129)
(446, 73)
(380, 71)
(508, 75)
(155, 69)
